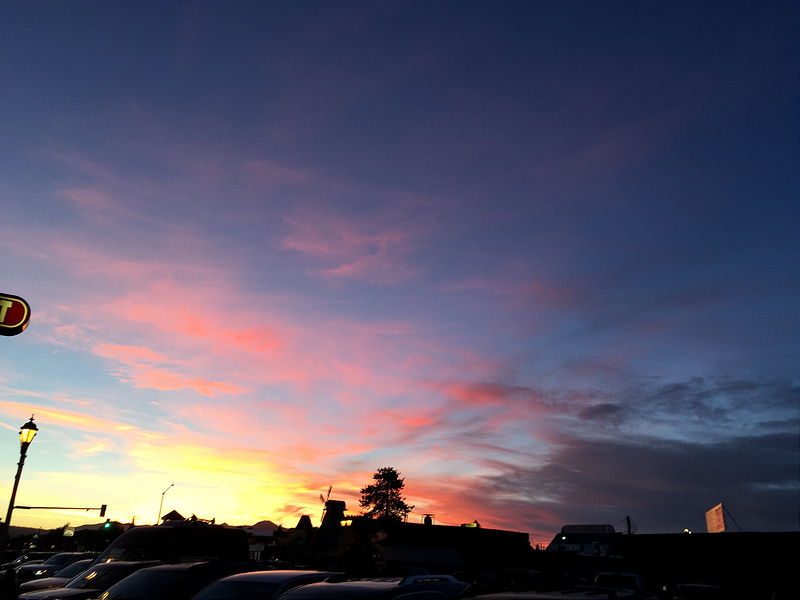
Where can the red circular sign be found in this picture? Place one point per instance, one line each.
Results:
(14, 314)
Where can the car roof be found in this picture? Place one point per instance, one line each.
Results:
(346, 589)
(177, 566)
(379, 587)
(124, 564)
(276, 576)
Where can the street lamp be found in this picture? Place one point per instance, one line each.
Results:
(26, 434)
(160, 506)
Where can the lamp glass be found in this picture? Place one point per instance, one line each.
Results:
(27, 433)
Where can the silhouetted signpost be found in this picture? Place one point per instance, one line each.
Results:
(101, 508)
(14, 314)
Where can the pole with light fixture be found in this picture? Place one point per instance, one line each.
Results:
(160, 506)
(26, 434)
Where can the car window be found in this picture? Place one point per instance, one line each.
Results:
(58, 559)
(144, 585)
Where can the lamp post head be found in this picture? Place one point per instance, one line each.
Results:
(27, 432)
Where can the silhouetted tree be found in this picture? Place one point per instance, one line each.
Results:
(383, 499)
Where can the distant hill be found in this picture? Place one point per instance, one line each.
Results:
(15, 531)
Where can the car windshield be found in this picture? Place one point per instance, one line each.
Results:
(75, 568)
(101, 577)
(237, 590)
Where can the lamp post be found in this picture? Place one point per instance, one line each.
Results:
(26, 434)
(160, 506)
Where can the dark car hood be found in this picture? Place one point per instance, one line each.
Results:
(63, 592)
(35, 585)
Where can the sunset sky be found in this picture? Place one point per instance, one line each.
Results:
(540, 257)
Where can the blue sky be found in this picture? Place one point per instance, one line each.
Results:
(540, 257)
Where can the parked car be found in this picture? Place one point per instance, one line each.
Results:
(261, 585)
(175, 581)
(414, 587)
(179, 540)
(26, 557)
(60, 579)
(49, 566)
(90, 583)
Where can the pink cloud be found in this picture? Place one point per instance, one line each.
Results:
(82, 259)
(82, 421)
(129, 355)
(617, 147)
(264, 172)
(373, 248)
(484, 394)
(182, 325)
(519, 291)
(166, 381)
(140, 371)
(254, 415)
(85, 165)
(630, 142)
(401, 421)
(199, 314)
(453, 500)
(90, 200)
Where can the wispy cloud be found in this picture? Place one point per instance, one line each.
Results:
(374, 249)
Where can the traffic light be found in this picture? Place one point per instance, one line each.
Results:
(107, 524)
(103, 510)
